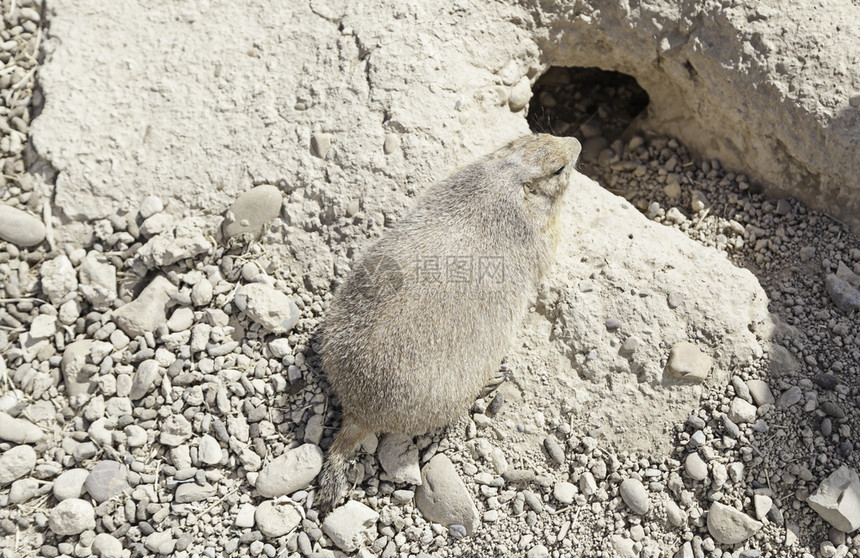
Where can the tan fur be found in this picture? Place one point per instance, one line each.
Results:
(406, 353)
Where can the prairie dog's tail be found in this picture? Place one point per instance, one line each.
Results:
(332, 480)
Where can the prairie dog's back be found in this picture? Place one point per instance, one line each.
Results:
(428, 312)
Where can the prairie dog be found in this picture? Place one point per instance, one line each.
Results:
(427, 313)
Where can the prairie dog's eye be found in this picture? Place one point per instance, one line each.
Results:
(559, 171)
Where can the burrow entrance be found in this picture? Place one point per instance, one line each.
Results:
(595, 106)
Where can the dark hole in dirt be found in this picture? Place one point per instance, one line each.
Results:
(593, 105)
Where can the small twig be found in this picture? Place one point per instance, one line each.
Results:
(23, 81)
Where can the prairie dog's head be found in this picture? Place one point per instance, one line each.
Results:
(544, 164)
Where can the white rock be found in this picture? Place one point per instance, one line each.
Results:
(730, 526)
(20, 228)
(292, 471)
(623, 547)
(135, 436)
(276, 520)
(695, 467)
(98, 281)
(185, 241)
(202, 293)
(15, 463)
(741, 412)
(350, 525)
(70, 484)
(209, 450)
(58, 279)
(280, 347)
(762, 505)
(587, 483)
(107, 546)
(245, 516)
(146, 312)
(399, 458)
(175, 429)
(673, 513)
(539, 551)
(144, 379)
(270, 308)
(18, 430)
(43, 326)
(564, 492)
(686, 551)
(760, 392)
(23, 490)
(156, 224)
(837, 499)
(160, 542)
(443, 497)
(74, 358)
(71, 517)
(688, 362)
(521, 94)
(635, 496)
(150, 205)
(181, 319)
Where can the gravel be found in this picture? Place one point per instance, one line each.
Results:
(173, 383)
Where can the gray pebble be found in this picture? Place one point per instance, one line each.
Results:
(741, 389)
(443, 497)
(554, 450)
(843, 295)
(106, 480)
(760, 392)
(789, 397)
(256, 208)
(732, 429)
(696, 440)
(826, 380)
(23, 490)
(832, 409)
(696, 422)
(635, 496)
(192, 492)
(612, 324)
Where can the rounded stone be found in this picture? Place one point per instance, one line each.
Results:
(20, 228)
(107, 479)
(15, 463)
(72, 517)
(635, 496)
(70, 484)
